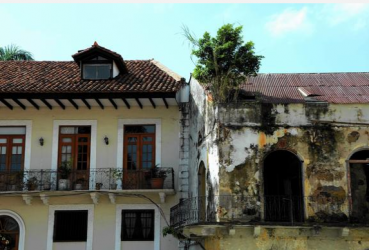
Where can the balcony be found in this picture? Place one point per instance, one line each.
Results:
(230, 210)
(88, 180)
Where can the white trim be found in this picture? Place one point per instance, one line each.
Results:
(57, 124)
(27, 150)
(118, 221)
(22, 227)
(90, 223)
(120, 139)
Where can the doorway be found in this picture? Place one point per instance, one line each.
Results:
(283, 187)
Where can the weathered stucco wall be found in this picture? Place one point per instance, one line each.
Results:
(289, 239)
(238, 140)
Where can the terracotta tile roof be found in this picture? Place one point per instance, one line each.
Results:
(328, 87)
(144, 76)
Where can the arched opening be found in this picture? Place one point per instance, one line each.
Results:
(9, 233)
(359, 185)
(283, 187)
(201, 192)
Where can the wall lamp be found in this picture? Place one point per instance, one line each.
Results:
(106, 139)
(41, 140)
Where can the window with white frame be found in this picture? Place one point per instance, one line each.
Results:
(70, 225)
(137, 225)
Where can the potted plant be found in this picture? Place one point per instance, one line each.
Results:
(79, 183)
(32, 183)
(46, 185)
(117, 175)
(65, 170)
(158, 176)
(98, 185)
(16, 181)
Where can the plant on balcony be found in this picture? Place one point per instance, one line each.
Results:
(98, 185)
(65, 169)
(158, 176)
(15, 181)
(172, 231)
(79, 183)
(32, 183)
(117, 175)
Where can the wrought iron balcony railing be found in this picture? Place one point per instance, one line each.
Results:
(282, 210)
(92, 179)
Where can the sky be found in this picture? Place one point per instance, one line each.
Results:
(293, 38)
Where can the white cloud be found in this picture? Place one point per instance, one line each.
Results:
(288, 21)
(355, 14)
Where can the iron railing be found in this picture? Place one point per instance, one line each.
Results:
(239, 209)
(92, 179)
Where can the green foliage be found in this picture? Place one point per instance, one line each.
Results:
(14, 53)
(224, 61)
(176, 234)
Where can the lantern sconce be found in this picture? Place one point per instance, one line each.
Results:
(106, 139)
(41, 141)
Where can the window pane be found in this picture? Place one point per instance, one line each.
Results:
(3, 150)
(70, 225)
(12, 130)
(140, 129)
(17, 140)
(67, 130)
(3, 140)
(83, 139)
(103, 72)
(137, 225)
(67, 140)
(84, 130)
(96, 71)
(147, 138)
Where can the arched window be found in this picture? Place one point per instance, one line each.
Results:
(9, 233)
(283, 187)
(359, 185)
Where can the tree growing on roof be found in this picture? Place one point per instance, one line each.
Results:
(224, 61)
(14, 53)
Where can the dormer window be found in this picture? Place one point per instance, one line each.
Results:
(99, 63)
(97, 71)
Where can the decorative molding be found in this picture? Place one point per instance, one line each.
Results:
(257, 231)
(27, 150)
(112, 198)
(95, 198)
(22, 227)
(45, 199)
(118, 221)
(55, 145)
(90, 222)
(27, 199)
(345, 232)
(162, 197)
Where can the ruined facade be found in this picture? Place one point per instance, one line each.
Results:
(286, 168)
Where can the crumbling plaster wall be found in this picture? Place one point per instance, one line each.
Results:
(202, 135)
(236, 138)
(289, 239)
(323, 148)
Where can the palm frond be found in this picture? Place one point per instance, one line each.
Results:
(14, 53)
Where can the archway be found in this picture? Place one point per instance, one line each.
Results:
(201, 192)
(9, 233)
(283, 187)
(359, 185)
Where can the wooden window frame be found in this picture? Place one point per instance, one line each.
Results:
(139, 146)
(75, 143)
(9, 144)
